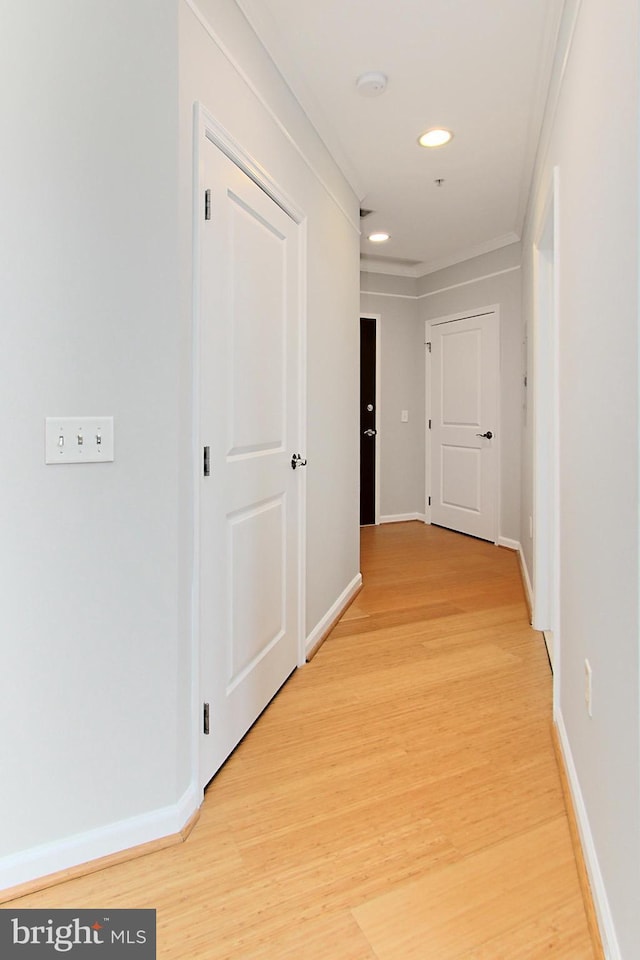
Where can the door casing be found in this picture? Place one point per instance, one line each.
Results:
(546, 416)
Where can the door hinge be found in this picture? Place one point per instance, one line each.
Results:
(206, 462)
(428, 345)
(207, 204)
(429, 501)
(429, 424)
(205, 718)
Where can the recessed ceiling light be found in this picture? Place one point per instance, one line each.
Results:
(435, 138)
(378, 237)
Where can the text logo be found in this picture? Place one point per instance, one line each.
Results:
(80, 934)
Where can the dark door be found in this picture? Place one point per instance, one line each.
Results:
(367, 421)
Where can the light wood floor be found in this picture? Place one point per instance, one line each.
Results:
(399, 800)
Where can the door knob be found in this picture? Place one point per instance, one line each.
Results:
(370, 433)
(488, 435)
(297, 461)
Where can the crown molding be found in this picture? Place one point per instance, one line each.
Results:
(487, 246)
(546, 59)
(389, 268)
(564, 45)
(263, 25)
(199, 14)
(422, 269)
(434, 293)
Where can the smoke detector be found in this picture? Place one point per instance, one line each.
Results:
(371, 84)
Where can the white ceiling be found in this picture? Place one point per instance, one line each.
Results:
(478, 67)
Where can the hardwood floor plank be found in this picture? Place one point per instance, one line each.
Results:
(489, 896)
(559, 932)
(399, 798)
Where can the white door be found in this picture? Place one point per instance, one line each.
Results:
(249, 421)
(464, 425)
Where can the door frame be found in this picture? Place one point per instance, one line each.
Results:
(378, 322)
(546, 420)
(207, 128)
(434, 322)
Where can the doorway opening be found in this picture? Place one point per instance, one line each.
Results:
(369, 420)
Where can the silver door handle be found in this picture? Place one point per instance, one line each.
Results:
(370, 432)
(297, 461)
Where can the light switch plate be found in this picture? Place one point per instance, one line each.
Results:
(78, 439)
(404, 416)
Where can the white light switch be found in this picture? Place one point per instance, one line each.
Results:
(78, 439)
(404, 416)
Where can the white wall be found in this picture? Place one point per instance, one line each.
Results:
(90, 612)
(591, 136)
(401, 348)
(95, 192)
(493, 278)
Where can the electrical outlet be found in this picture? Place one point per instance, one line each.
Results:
(588, 687)
(404, 416)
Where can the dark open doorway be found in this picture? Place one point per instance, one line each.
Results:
(367, 421)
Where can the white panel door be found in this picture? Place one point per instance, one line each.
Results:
(464, 423)
(249, 410)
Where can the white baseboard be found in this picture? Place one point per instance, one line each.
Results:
(332, 613)
(402, 517)
(509, 544)
(72, 851)
(606, 926)
(526, 579)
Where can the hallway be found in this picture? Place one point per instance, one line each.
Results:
(399, 800)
